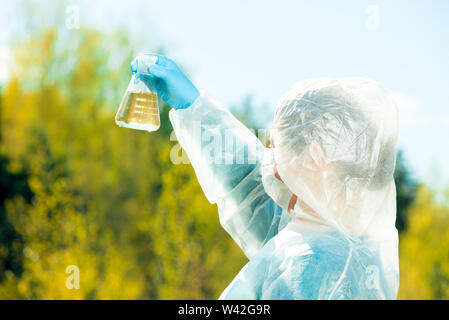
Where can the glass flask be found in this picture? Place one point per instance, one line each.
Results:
(139, 108)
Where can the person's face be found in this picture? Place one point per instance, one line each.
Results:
(309, 170)
(293, 198)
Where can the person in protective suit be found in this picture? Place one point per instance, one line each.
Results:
(314, 213)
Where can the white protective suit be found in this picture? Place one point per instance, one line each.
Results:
(335, 148)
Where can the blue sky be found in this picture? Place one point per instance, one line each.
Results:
(234, 48)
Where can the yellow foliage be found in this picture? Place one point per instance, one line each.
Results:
(424, 250)
(105, 199)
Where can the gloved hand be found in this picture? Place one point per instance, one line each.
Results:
(171, 83)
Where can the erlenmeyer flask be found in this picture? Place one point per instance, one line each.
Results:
(139, 107)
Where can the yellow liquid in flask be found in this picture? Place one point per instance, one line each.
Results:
(139, 111)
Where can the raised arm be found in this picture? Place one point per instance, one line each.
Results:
(226, 157)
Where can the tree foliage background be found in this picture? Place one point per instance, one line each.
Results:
(75, 189)
(78, 190)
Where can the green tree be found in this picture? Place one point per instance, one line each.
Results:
(11, 243)
(12, 184)
(406, 187)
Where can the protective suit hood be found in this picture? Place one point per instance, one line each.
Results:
(335, 148)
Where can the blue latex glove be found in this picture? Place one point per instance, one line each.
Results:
(171, 83)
